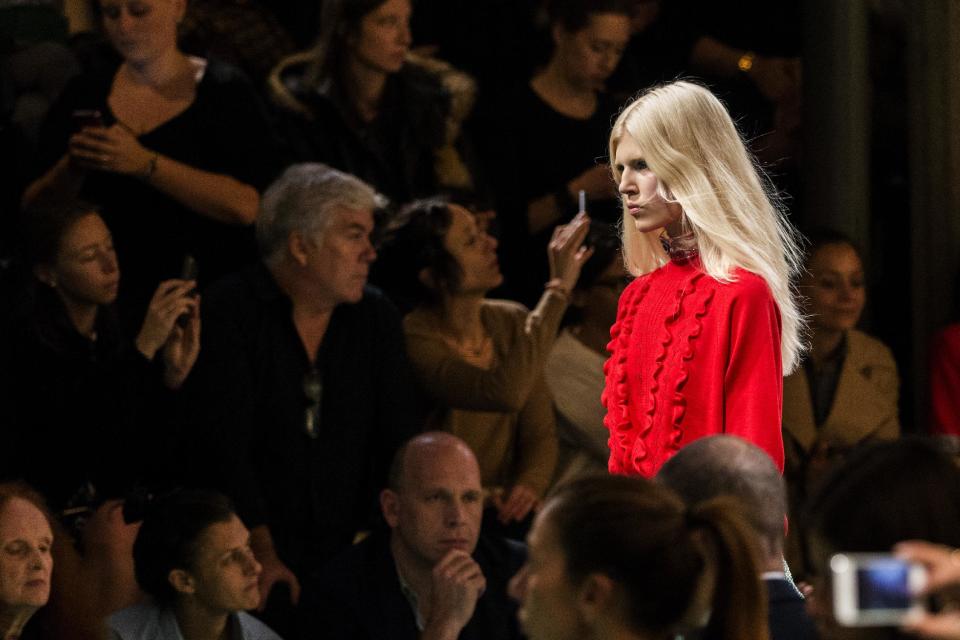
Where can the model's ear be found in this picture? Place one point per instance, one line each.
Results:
(595, 596)
(390, 506)
(181, 581)
(297, 246)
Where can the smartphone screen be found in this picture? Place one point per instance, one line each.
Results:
(874, 589)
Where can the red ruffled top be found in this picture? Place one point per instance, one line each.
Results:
(692, 357)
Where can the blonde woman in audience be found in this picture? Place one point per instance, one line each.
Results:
(481, 361)
(625, 558)
(26, 558)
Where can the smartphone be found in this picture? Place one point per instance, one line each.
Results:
(83, 118)
(875, 589)
(188, 271)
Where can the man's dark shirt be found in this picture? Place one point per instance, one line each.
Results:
(248, 390)
(358, 595)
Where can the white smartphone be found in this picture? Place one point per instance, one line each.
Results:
(875, 589)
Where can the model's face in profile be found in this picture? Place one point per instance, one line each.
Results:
(383, 39)
(640, 193)
(25, 558)
(548, 600)
(835, 287)
(589, 56)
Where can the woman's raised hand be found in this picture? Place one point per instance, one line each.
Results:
(171, 300)
(112, 149)
(567, 253)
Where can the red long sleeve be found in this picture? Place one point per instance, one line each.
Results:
(692, 357)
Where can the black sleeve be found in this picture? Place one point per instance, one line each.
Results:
(249, 146)
(219, 410)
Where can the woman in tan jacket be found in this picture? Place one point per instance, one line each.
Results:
(846, 391)
(481, 361)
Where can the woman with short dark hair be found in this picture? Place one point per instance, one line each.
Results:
(481, 360)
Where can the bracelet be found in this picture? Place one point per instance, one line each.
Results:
(150, 169)
(556, 286)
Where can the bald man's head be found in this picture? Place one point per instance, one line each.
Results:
(434, 501)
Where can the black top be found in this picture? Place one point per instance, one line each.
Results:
(249, 437)
(358, 595)
(225, 130)
(531, 150)
(395, 152)
(78, 410)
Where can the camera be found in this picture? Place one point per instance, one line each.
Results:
(875, 589)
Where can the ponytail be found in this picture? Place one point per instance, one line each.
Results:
(738, 600)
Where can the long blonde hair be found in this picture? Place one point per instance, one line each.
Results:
(690, 143)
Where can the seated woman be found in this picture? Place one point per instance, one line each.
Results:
(846, 392)
(193, 557)
(89, 396)
(884, 493)
(26, 561)
(481, 361)
(621, 557)
(542, 140)
(574, 369)
(360, 103)
(172, 148)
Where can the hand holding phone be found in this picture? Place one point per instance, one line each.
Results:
(84, 118)
(875, 589)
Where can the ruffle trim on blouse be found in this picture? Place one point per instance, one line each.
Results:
(627, 442)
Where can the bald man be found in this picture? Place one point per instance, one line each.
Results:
(433, 576)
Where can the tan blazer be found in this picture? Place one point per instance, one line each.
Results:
(864, 408)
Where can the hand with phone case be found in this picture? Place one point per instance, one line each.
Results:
(180, 344)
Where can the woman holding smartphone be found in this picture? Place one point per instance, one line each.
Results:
(173, 148)
(89, 402)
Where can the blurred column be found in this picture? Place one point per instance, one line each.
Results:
(934, 91)
(836, 117)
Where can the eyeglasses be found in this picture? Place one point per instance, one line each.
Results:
(313, 391)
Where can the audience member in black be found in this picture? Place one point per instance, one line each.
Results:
(729, 466)
(193, 558)
(81, 381)
(86, 394)
(175, 154)
(303, 379)
(434, 575)
(885, 493)
(544, 139)
(358, 103)
(26, 559)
